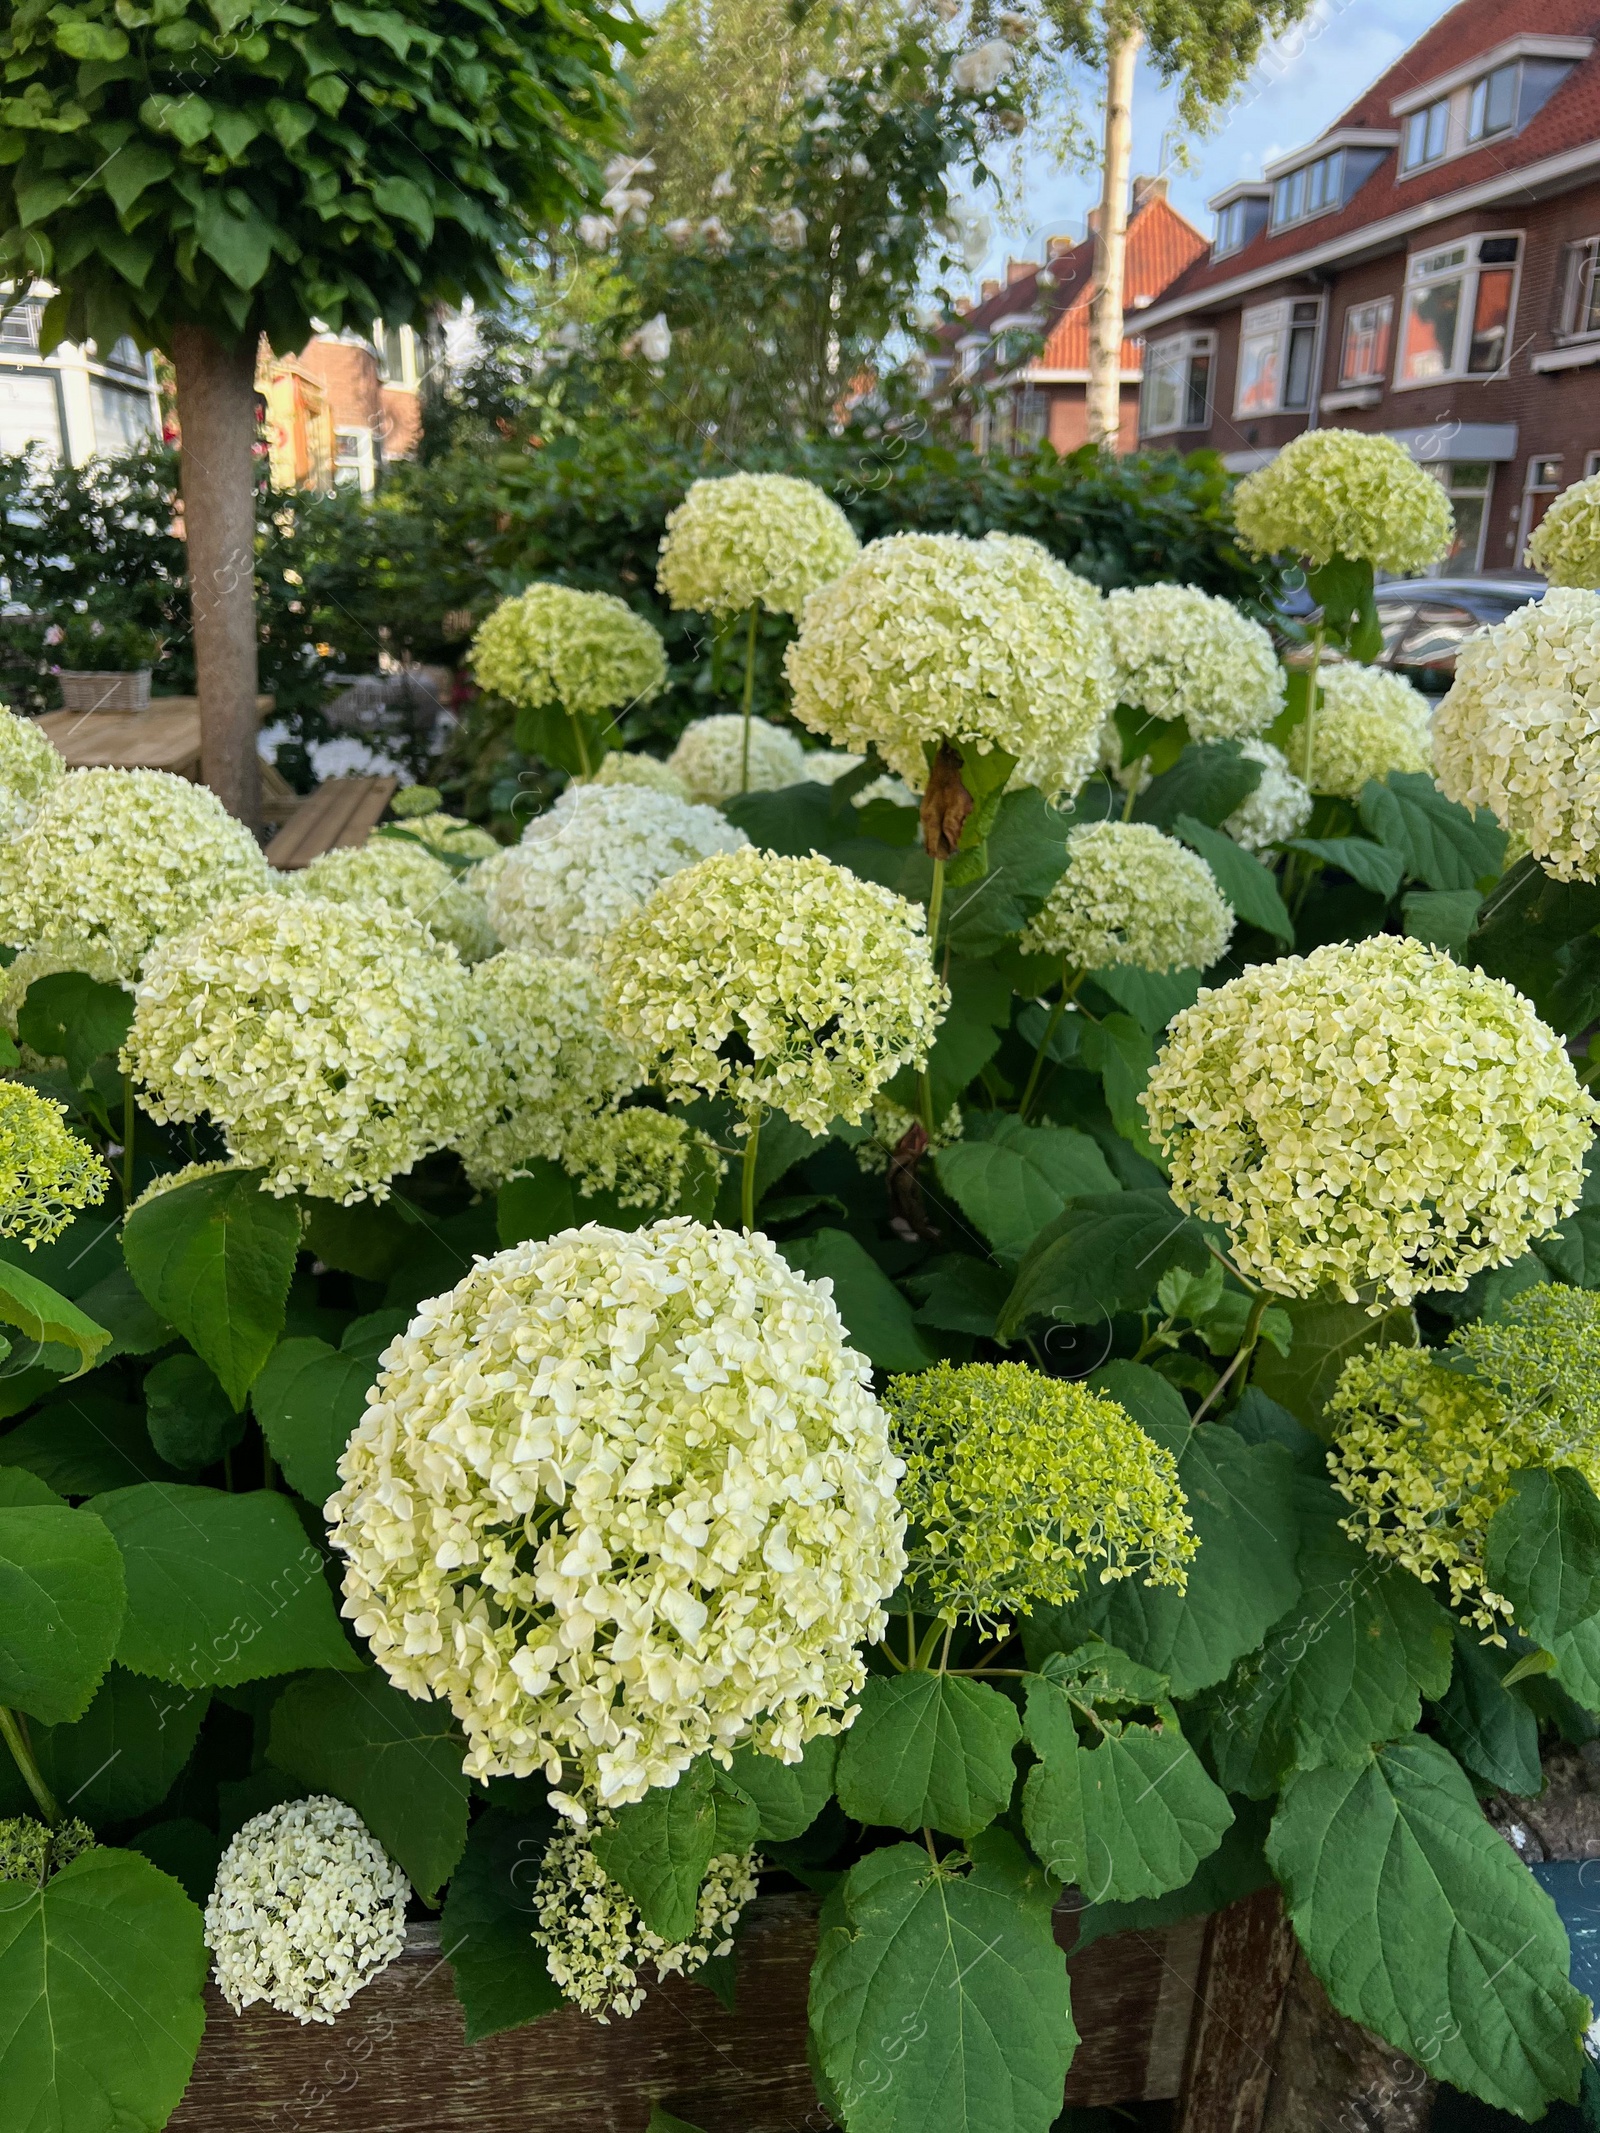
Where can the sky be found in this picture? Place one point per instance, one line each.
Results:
(1297, 91)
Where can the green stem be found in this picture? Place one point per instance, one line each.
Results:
(1068, 994)
(749, 698)
(747, 1175)
(935, 905)
(1133, 771)
(1252, 1333)
(1313, 693)
(22, 1755)
(582, 740)
(130, 1118)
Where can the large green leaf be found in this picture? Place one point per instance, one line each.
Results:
(788, 1797)
(215, 1257)
(658, 1848)
(1373, 866)
(1236, 1868)
(1538, 934)
(1013, 1179)
(1323, 1337)
(1484, 1724)
(1542, 1550)
(1439, 842)
(1248, 886)
(123, 1756)
(877, 1317)
(101, 1973)
(83, 1443)
(191, 1420)
(1425, 1926)
(76, 1018)
(1104, 1254)
(485, 1930)
(310, 1396)
(48, 1318)
(929, 1749)
(1027, 855)
(1151, 998)
(1128, 1818)
(1208, 781)
(966, 1040)
(1444, 918)
(397, 1762)
(61, 1609)
(221, 1588)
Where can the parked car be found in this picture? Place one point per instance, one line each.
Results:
(1426, 621)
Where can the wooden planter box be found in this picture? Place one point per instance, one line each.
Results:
(85, 691)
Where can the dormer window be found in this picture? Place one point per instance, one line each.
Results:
(1238, 220)
(1492, 105)
(1487, 99)
(1310, 190)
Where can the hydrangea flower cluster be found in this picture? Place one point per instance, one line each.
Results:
(1278, 809)
(1367, 723)
(591, 862)
(115, 860)
(1021, 1488)
(709, 757)
(623, 1498)
(1519, 732)
(826, 766)
(1370, 1115)
(633, 767)
(1427, 1456)
(1131, 895)
(329, 1042)
(585, 651)
(641, 1157)
(596, 1943)
(1178, 652)
(1347, 493)
(46, 1173)
(307, 1908)
(930, 637)
(1565, 545)
(753, 540)
(398, 875)
(33, 1851)
(548, 1061)
(29, 768)
(890, 1123)
(786, 984)
(444, 833)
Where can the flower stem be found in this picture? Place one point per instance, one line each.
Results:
(1313, 692)
(1133, 771)
(747, 1175)
(22, 1755)
(1068, 994)
(1252, 1333)
(935, 905)
(130, 1118)
(582, 740)
(749, 698)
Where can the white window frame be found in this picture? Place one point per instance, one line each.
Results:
(1444, 472)
(1276, 323)
(1295, 185)
(1178, 349)
(1591, 464)
(1582, 291)
(1380, 307)
(359, 465)
(1421, 275)
(1536, 482)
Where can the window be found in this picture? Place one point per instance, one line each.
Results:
(1030, 419)
(1238, 222)
(1427, 135)
(1457, 320)
(1580, 310)
(1364, 356)
(1310, 190)
(1467, 483)
(122, 419)
(1177, 384)
(1492, 105)
(1277, 356)
(353, 459)
(30, 411)
(1541, 485)
(397, 353)
(19, 325)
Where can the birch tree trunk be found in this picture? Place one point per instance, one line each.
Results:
(1110, 246)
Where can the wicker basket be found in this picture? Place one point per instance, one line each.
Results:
(104, 692)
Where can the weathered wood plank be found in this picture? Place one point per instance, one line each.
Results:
(341, 813)
(1249, 1953)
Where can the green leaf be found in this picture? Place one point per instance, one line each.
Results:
(43, 1316)
(1246, 884)
(1324, 1336)
(663, 2122)
(83, 1444)
(1537, 933)
(402, 198)
(215, 1257)
(1486, 1725)
(132, 169)
(1208, 781)
(186, 118)
(929, 1749)
(1016, 1178)
(240, 244)
(1373, 866)
(876, 1316)
(1151, 999)
(370, 1238)
(310, 1396)
(1444, 918)
(190, 1418)
(186, 1850)
(788, 1797)
(940, 2001)
(61, 1609)
(76, 1018)
(123, 1756)
(1425, 1926)
(20, 1490)
(1236, 1868)
(116, 1304)
(1104, 1254)
(1132, 1816)
(967, 1039)
(1119, 1050)
(1440, 842)
(658, 1849)
(1027, 851)
(397, 1762)
(221, 1589)
(485, 1930)
(535, 1205)
(101, 1974)
(1542, 1550)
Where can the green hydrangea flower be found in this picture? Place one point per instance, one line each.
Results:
(46, 1173)
(1343, 492)
(32, 1851)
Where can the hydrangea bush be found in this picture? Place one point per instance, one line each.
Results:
(1131, 895)
(1178, 653)
(744, 541)
(1366, 724)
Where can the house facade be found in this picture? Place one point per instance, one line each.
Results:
(1014, 368)
(1427, 268)
(343, 405)
(76, 401)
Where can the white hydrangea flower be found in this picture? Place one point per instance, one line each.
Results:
(826, 766)
(307, 1908)
(29, 767)
(548, 1062)
(398, 875)
(451, 833)
(596, 1943)
(1180, 653)
(641, 1157)
(823, 982)
(749, 540)
(1367, 723)
(1345, 492)
(890, 1123)
(1565, 544)
(329, 1042)
(621, 1499)
(930, 637)
(1279, 808)
(1519, 732)
(1370, 1116)
(591, 862)
(709, 757)
(114, 860)
(187, 1174)
(621, 767)
(1131, 895)
(586, 651)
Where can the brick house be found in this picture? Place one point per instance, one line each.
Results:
(1014, 367)
(1429, 267)
(346, 403)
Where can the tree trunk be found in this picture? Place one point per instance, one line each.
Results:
(216, 413)
(1110, 248)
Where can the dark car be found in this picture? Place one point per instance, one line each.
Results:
(1426, 621)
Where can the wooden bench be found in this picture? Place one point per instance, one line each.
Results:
(343, 812)
(166, 737)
